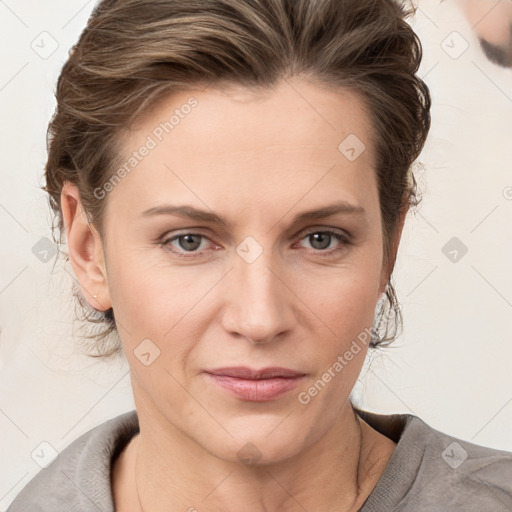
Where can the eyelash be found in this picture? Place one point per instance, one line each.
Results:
(194, 254)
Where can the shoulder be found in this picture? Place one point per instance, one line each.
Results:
(434, 471)
(79, 478)
(469, 475)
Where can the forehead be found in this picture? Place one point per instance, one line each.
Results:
(285, 138)
(296, 113)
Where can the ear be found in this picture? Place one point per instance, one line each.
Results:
(395, 242)
(85, 249)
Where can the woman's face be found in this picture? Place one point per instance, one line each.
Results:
(248, 284)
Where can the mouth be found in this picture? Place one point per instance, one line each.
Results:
(255, 385)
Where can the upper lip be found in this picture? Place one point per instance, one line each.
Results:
(244, 372)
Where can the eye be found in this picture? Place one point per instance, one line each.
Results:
(186, 242)
(192, 243)
(321, 240)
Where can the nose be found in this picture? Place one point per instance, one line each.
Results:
(259, 304)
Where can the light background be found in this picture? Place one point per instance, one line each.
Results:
(452, 364)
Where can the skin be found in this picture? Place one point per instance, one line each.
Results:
(490, 19)
(257, 161)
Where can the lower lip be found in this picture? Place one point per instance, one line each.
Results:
(256, 390)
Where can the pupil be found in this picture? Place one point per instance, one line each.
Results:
(190, 245)
(318, 237)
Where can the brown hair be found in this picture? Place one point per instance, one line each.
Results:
(134, 52)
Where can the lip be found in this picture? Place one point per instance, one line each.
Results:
(255, 385)
(244, 372)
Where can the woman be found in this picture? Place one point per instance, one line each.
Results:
(202, 155)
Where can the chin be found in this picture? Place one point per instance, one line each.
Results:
(260, 443)
(261, 452)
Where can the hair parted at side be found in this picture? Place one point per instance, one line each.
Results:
(132, 53)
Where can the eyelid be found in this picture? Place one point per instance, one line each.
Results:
(344, 238)
(303, 232)
(325, 229)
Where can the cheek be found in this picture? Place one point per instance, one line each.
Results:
(345, 307)
(347, 296)
(346, 313)
(154, 306)
(137, 296)
(167, 304)
(148, 291)
(349, 317)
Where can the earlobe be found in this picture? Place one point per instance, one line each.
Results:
(85, 250)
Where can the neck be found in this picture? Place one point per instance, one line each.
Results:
(171, 472)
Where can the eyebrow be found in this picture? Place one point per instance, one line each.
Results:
(338, 207)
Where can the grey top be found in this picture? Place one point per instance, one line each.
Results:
(429, 471)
